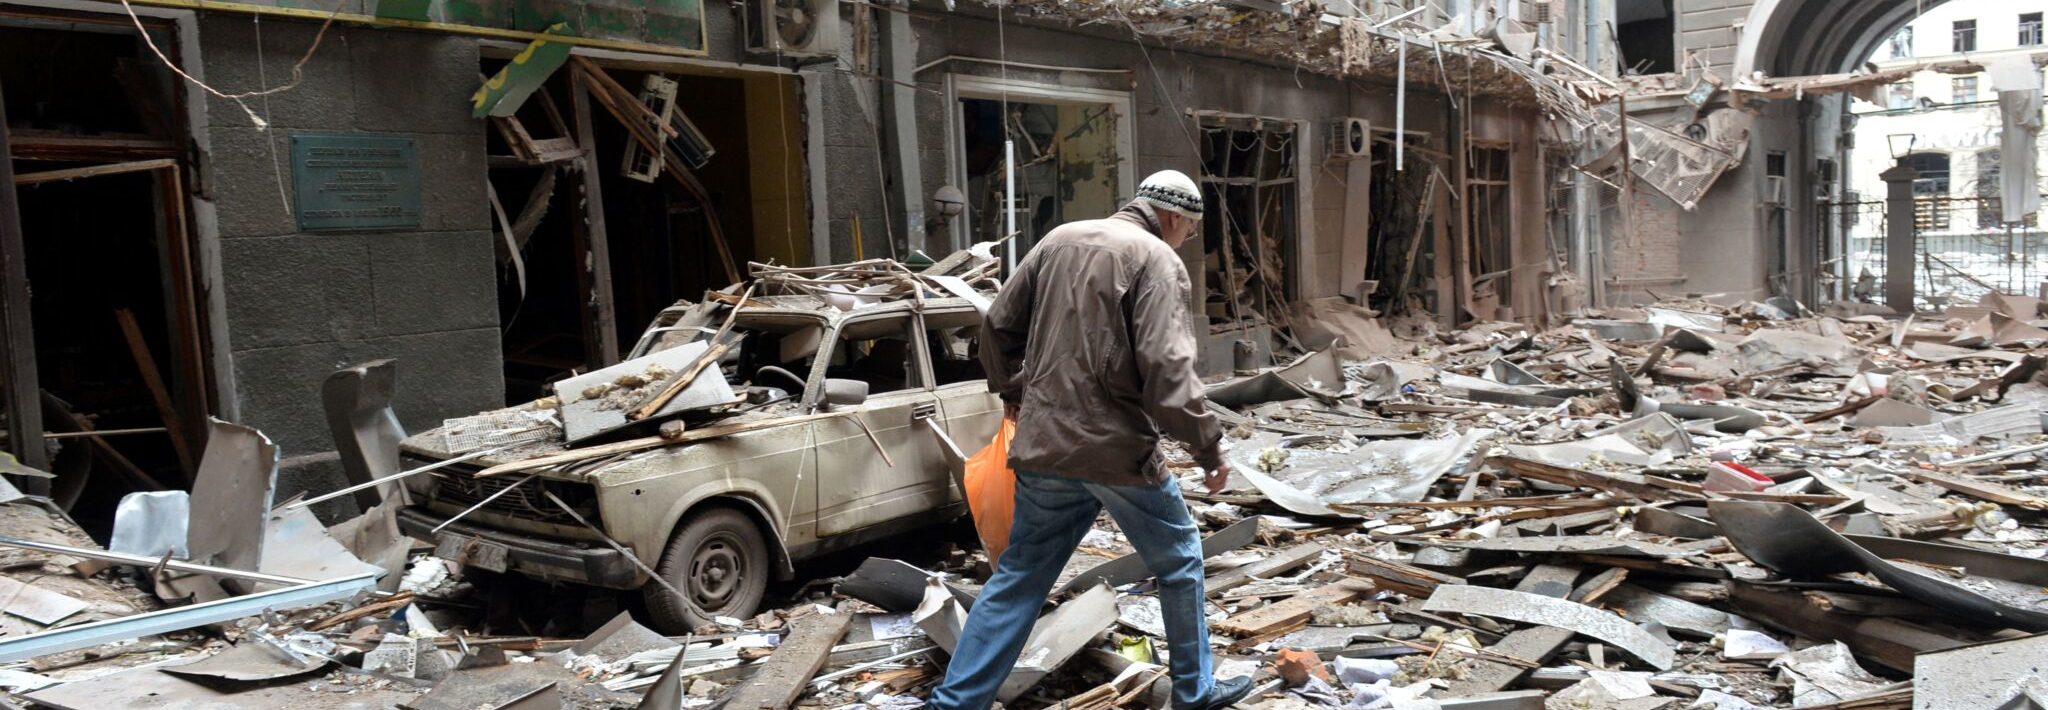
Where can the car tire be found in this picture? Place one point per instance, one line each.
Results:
(719, 561)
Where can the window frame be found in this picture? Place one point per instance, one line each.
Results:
(2030, 29)
(1963, 36)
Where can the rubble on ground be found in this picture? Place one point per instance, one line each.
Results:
(1688, 505)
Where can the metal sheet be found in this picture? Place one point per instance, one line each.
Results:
(149, 687)
(492, 687)
(1131, 568)
(1311, 481)
(231, 497)
(357, 401)
(1790, 541)
(180, 618)
(251, 660)
(37, 604)
(300, 547)
(1546, 611)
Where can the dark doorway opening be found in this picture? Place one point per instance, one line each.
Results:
(655, 234)
(1647, 31)
(95, 139)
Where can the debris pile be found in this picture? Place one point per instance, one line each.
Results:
(1687, 505)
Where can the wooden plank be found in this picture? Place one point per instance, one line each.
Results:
(595, 238)
(1405, 579)
(802, 653)
(41, 145)
(1294, 612)
(1574, 477)
(145, 363)
(1599, 585)
(1550, 580)
(24, 402)
(137, 166)
(1983, 490)
(1889, 642)
(1278, 562)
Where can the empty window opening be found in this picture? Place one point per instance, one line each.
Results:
(1489, 228)
(1402, 230)
(1647, 33)
(1964, 36)
(2030, 29)
(1248, 224)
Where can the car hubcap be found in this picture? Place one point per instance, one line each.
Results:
(716, 572)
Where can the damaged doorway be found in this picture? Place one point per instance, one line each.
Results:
(1249, 226)
(1072, 147)
(1404, 206)
(606, 236)
(97, 144)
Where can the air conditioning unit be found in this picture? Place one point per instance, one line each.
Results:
(1537, 12)
(803, 28)
(1351, 139)
(1774, 190)
(658, 93)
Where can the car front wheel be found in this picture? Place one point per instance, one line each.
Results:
(719, 562)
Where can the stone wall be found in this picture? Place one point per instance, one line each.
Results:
(299, 305)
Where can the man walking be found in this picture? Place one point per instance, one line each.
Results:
(1089, 345)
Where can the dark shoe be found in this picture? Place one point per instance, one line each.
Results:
(1224, 693)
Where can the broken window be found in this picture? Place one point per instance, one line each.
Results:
(1648, 36)
(2030, 29)
(1900, 95)
(1403, 225)
(1248, 225)
(1900, 45)
(878, 352)
(1964, 36)
(1067, 164)
(951, 339)
(1930, 190)
(1990, 212)
(1963, 90)
(1489, 227)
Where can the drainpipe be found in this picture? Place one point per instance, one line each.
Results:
(901, 111)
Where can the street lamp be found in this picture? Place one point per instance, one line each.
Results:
(1902, 144)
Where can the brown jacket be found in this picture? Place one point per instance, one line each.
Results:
(1091, 337)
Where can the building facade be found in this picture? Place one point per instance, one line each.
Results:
(223, 207)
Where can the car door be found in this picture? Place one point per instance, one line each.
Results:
(879, 462)
(969, 411)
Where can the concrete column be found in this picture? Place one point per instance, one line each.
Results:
(1898, 237)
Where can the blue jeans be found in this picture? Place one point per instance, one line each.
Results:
(1052, 515)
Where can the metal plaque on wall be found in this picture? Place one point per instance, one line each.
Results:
(353, 182)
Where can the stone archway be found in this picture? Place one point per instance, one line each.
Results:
(1781, 37)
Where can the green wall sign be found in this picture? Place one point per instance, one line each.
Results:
(352, 182)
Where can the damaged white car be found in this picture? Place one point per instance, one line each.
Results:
(835, 421)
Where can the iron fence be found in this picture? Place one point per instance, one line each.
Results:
(1961, 250)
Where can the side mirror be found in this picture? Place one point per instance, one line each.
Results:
(845, 393)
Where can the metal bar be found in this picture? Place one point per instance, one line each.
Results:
(158, 622)
(105, 432)
(123, 558)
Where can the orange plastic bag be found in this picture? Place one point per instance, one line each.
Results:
(992, 492)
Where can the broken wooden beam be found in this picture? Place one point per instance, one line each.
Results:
(786, 673)
(1294, 612)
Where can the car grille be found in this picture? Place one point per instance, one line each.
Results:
(459, 488)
